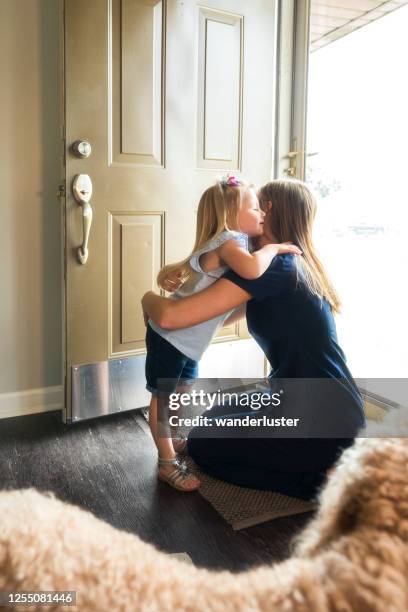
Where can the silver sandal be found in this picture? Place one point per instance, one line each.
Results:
(178, 476)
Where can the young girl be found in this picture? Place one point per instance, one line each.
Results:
(228, 213)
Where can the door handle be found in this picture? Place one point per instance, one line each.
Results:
(293, 159)
(82, 190)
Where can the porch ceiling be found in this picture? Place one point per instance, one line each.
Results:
(332, 19)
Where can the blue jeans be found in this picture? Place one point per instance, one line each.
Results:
(165, 361)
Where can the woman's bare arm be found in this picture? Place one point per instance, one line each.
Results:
(218, 299)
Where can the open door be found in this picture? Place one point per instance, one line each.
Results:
(160, 97)
(338, 84)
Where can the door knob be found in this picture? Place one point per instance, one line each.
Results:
(82, 190)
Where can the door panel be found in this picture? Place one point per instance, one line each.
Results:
(137, 67)
(220, 53)
(136, 247)
(169, 96)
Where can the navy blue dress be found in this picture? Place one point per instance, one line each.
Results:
(297, 332)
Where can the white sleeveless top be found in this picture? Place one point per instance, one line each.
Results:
(192, 341)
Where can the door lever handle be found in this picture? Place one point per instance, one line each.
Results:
(82, 190)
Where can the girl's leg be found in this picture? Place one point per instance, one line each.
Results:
(164, 444)
(187, 378)
(167, 454)
(180, 440)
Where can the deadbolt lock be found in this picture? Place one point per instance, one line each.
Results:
(81, 148)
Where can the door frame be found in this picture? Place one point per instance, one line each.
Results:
(62, 195)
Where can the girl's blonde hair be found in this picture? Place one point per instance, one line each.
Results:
(217, 211)
(291, 220)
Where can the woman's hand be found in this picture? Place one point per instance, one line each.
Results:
(172, 283)
(236, 315)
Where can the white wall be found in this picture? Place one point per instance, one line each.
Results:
(30, 235)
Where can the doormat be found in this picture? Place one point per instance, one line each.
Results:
(242, 507)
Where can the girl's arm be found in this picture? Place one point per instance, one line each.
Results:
(252, 265)
(218, 299)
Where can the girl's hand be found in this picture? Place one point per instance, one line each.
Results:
(172, 283)
(287, 247)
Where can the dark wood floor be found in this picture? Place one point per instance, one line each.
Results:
(108, 466)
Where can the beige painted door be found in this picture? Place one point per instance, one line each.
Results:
(169, 95)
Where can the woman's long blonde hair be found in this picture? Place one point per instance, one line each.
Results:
(291, 220)
(217, 211)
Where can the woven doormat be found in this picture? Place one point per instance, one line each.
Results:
(242, 507)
